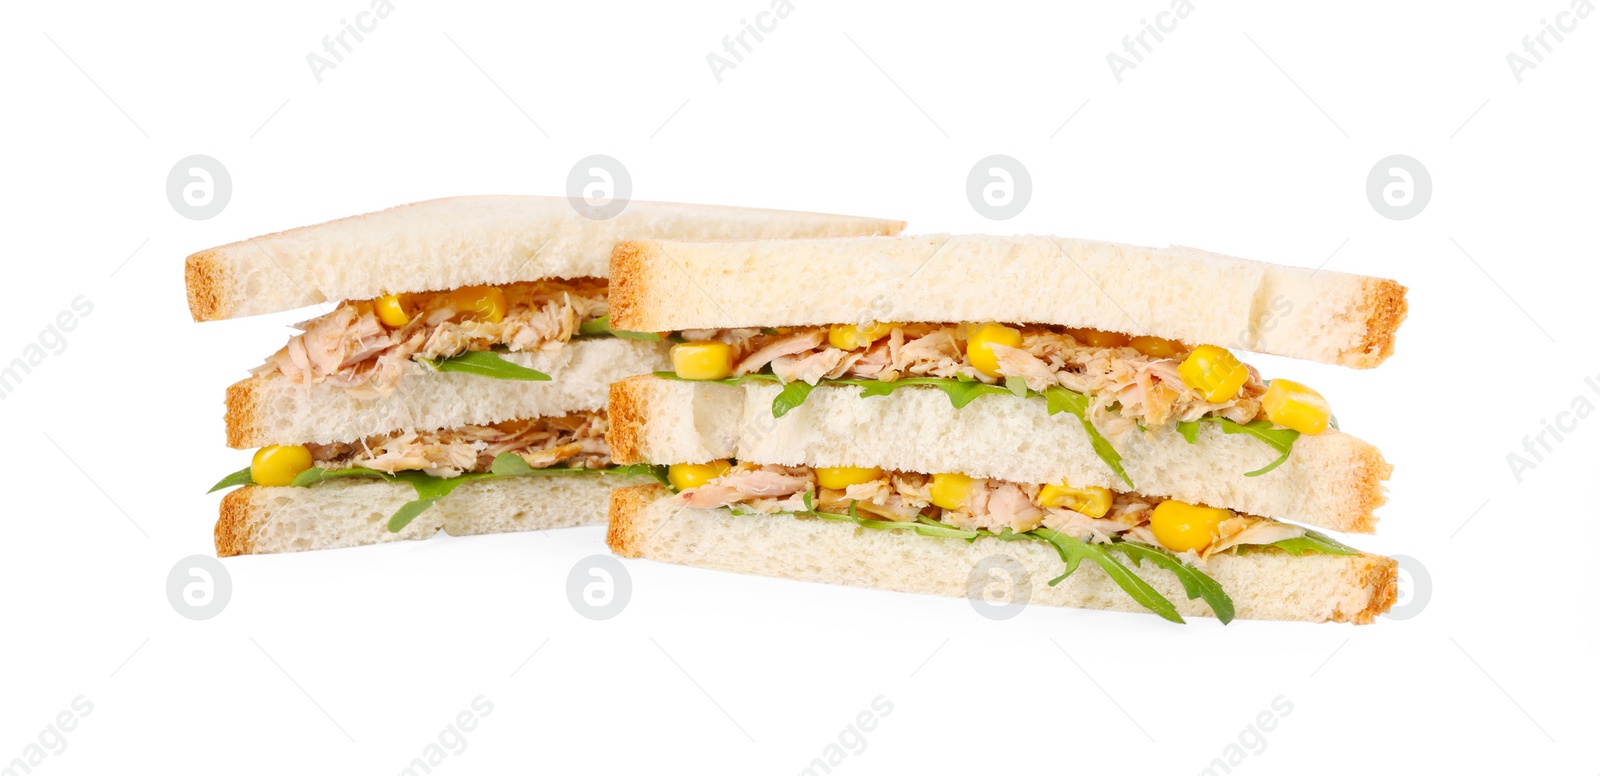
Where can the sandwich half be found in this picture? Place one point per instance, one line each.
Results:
(853, 519)
(459, 383)
(970, 392)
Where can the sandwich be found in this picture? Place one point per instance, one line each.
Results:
(890, 412)
(459, 380)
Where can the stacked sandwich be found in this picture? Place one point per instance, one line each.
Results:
(459, 383)
(907, 413)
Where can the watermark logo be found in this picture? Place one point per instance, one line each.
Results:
(1538, 44)
(1399, 187)
(999, 587)
(1137, 45)
(737, 45)
(198, 587)
(199, 187)
(598, 587)
(999, 187)
(52, 741)
(599, 187)
(852, 740)
(1252, 739)
(1539, 445)
(1416, 588)
(52, 341)
(338, 44)
(452, 740)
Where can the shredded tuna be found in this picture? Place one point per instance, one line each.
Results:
(576, 440)
(351, 347)
(1128, 388)
(992, 505)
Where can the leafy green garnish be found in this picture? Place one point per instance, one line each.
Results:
(1059, 399)
(1280, 439)
(1314, 542)
(429, 489)
(1074, 552)
(793, 395)
(1196, 583)
(241, 477)
(485, 363)
(602, 326)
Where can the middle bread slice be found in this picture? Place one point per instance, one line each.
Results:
(1333, 480)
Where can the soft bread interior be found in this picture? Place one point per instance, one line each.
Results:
(1331, 480)
(256, 520)
(460, 241)
(1324, 316)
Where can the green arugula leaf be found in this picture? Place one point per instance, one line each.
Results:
(1196, 583)
(241, 477)
(1189, 430)
(602, 326)
(793, 395)
(1017, 386)
(1314, 542)
(485, 363)
(1060, 399)
(1280, 439)
(1073, 552)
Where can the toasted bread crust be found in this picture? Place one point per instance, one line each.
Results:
(630, 285)
(626, 505)
(1385, 310)
(207, 291)
(243, 413)
(1381, 576)
(235, 523)
(627, 409)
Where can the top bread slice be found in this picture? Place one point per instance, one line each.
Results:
(1331, 480)
(1176, 293)
(460, 241)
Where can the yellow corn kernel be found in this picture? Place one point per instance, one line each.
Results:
(1156, 347)
(841, 477)
(1092, 501)
(684, 476)
(1214, 373)
(709, 360)
(981, 355)
(1291, 404)
(849, 336)
(484, 303)
(279, 464)
(1096, 338)
(950, 491)
(394, 309)
(1182, 527)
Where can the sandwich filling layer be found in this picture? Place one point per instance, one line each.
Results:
(1094, 515)
(576, 440)
(1137, 377)
(364, 346)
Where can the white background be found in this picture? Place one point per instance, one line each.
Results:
(356, 660)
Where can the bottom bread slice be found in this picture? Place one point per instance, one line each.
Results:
(258, 520)
(1264, 584)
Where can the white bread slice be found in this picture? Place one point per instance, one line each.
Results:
(1178, 293)
(460, 241)
(256, 520)
(272, 410)
(1331, 480)
(1264, 585)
